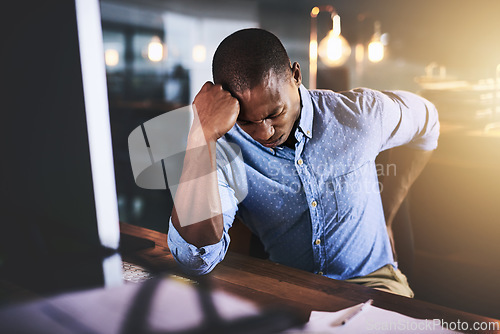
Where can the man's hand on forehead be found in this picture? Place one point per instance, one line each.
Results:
(217, 110)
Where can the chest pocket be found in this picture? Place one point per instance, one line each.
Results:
(353, 191)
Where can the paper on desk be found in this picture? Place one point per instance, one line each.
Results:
(371, 319)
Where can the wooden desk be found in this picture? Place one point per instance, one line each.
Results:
(267, 283)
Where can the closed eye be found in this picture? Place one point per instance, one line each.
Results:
(244, 123)
(278, 114)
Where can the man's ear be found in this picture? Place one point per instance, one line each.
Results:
(296, 74)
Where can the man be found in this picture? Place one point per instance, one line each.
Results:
(309, 171)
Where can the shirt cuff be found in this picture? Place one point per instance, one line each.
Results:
(194, 260)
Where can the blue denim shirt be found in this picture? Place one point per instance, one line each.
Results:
(317, 207)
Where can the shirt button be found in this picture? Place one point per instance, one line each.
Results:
(320, 273)
(300, 162)
(271, 150)
(308, 132)
(314, 204)
(317, 242)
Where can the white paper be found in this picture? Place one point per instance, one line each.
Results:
(371, 320)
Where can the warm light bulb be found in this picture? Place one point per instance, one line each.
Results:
(376, 47)
(111, 57)
(334, 50)
(155, 49)
(199, 53)
(375, 51)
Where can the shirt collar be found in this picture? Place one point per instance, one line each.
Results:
(306, 113)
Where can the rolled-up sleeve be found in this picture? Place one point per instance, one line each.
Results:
(201, 260)
(407, 119)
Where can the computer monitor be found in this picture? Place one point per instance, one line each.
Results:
(59, 213)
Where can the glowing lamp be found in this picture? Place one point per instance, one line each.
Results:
(376, 47)
(155, 49)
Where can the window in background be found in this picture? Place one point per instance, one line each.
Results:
(114, 56)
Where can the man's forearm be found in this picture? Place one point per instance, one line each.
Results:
(197, 213)
(409, 164)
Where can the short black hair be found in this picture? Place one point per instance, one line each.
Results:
(244, 59)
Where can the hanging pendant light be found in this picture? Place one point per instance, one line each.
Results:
(334, 50)
(376, 47)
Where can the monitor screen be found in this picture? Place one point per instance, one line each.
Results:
(59, 199)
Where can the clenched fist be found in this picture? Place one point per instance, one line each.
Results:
(217, 110)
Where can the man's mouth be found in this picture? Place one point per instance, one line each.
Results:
(273, 143)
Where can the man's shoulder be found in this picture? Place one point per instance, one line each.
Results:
(237, 136)
(233, 143)
(355, 101)
(360, 96)
(327, 93)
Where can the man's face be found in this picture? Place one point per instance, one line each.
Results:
(268, 112)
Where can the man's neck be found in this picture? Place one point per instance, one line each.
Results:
(290, 142)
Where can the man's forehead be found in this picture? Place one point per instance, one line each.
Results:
(259, 109)
(261, 101)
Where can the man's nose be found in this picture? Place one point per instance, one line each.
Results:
(263, 131)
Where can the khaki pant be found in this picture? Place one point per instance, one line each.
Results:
(386, 279)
